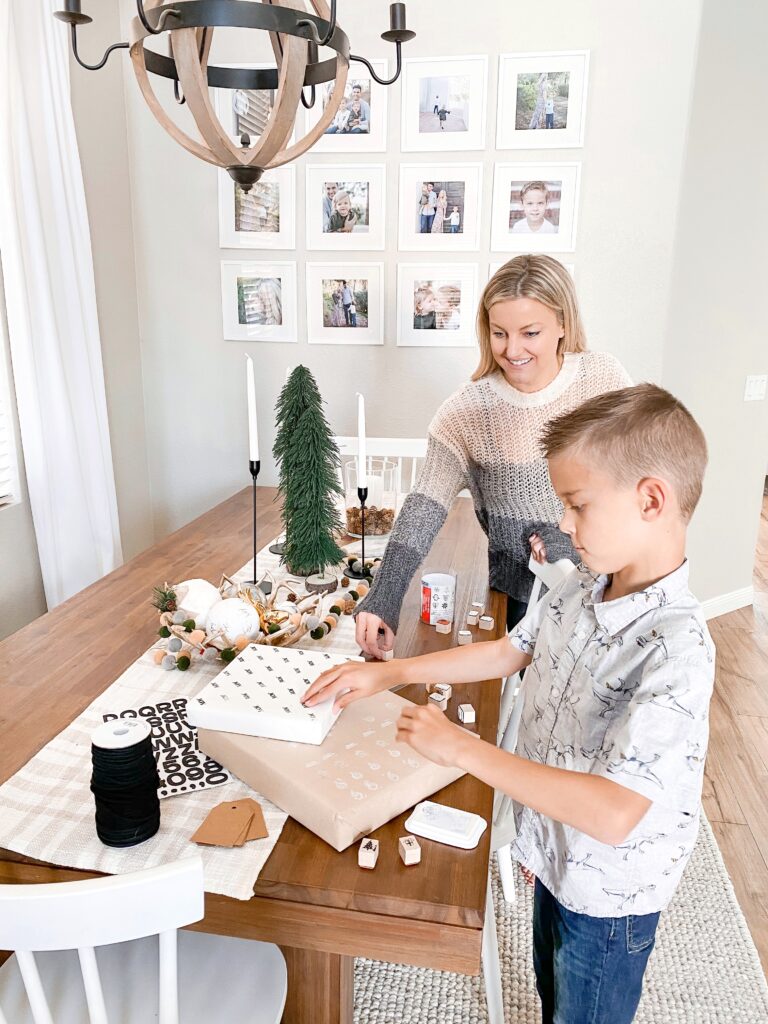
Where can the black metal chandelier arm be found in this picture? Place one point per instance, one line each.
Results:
(104, 59)
(383, 81)
(173, 13)
(314, 34)
(308, 104)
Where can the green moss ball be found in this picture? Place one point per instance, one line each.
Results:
(317, 634)
(164, 632)
(189, 625)
(228, 654)
(182, 663)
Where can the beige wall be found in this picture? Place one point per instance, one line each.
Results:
(717, 330)
(632, 161)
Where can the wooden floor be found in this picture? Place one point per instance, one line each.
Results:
(736, 778)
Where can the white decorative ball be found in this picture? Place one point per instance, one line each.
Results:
(195, 598)
(234, 617)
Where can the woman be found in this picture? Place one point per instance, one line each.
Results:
(337, 309)
(534, 365)
(442, 207)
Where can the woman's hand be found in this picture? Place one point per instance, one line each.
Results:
(538, 548)
(429, 732)
(529, 876)
(373, 635)
(352, 680)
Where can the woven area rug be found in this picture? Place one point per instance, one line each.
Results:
(704, 969)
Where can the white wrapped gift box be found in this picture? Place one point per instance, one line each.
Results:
(259, 694)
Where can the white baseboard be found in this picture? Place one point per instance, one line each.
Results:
(728, 602)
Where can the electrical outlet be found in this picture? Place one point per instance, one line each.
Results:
(755, 387)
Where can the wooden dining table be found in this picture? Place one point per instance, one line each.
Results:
(315, 903)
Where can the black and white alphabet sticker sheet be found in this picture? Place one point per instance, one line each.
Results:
(181, 765)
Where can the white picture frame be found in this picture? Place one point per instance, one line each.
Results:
(447, 290)
(328, 319)
(364, 186)
(527, 82)
(230, 110)
(495, 265)
(271, 311)
(516, 201)
(262, 218)
(341, 138)
(429, 85)
(462, 185)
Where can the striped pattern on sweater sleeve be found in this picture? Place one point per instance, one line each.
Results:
(424, 511)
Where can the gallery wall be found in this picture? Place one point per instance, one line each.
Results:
(631, 166)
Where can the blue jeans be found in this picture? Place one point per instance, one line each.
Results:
(589, 970)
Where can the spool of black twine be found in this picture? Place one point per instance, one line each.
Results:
(124, 783)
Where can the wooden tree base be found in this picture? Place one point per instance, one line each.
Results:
(321, 583)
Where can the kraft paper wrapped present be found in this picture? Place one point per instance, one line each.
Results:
(259, 694)
(356, 780)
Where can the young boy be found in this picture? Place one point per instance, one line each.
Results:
(534, 196)
(454, 220)
(620, 667)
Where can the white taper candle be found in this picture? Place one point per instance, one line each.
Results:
(362, 471)
(253, 427)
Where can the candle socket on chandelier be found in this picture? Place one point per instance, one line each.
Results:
(362, 494)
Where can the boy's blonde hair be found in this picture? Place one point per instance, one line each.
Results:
(529, 186)
(341, 194)
(634, 433)
(537, 277)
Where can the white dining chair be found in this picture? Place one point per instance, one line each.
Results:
(107, 951)
(407, 454)
(549, 575)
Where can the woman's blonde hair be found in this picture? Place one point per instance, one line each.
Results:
(536, 277)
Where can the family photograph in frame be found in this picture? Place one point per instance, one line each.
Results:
(542, 100)
(262, 218)
(258, 301)
(345, 206)
(444, 103)
(534, 207)
(345, 303)
(439, 209)
(360, 123)
(245, 110)
(436, 304)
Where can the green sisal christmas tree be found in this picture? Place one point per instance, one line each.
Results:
(309, 476)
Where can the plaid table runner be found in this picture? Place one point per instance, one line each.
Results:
(47, 809)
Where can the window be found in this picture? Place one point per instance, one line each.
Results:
(9, 478)
(8, 486)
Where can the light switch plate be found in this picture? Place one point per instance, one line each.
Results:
(755, 387)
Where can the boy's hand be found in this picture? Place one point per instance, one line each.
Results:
(358, 680)
(430, 733)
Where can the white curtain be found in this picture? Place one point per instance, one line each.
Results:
(53, 329)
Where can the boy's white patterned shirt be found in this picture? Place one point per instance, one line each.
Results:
(619, 689)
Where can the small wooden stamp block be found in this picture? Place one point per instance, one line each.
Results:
(439, 700)
(368, 853)
(410, 851)
(477, 606)
(466, 714)
(486, 622)
(472, 618)
(443, 625)
(464, 637)
(387, 655)
(444, 688)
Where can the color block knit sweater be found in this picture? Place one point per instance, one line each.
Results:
(485, 438)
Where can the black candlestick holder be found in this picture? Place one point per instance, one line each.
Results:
(254, 468)
(362, 493)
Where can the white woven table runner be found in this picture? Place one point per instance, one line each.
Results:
(47, 809)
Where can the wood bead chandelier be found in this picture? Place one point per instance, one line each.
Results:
(295, 36)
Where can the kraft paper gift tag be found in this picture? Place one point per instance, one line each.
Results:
(227, 824)
(258, 829)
